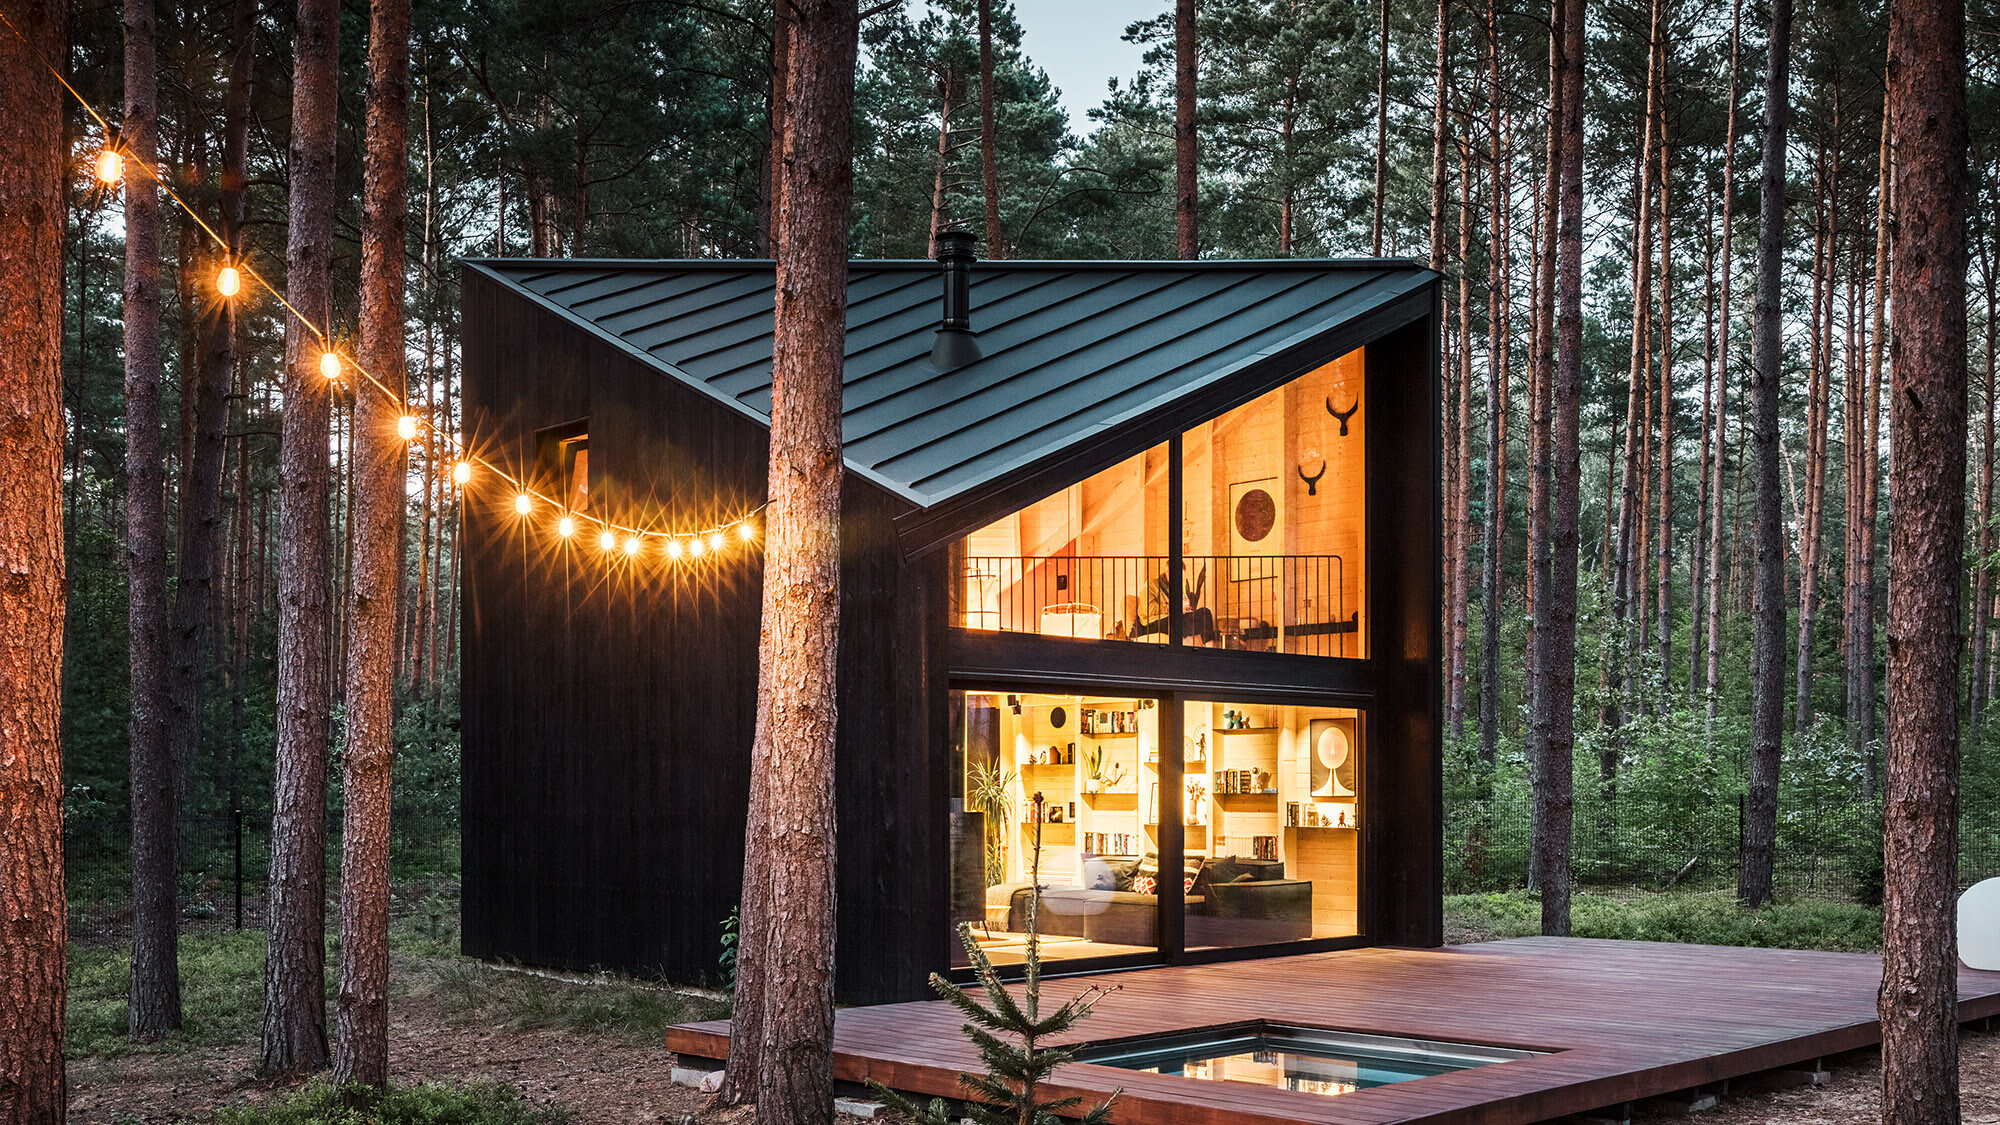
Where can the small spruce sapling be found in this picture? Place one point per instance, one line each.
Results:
(1009, 1093)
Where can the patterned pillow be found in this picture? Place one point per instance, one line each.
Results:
(1144, 884)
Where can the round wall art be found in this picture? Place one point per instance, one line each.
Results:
(1057, 717)
(1256, 514)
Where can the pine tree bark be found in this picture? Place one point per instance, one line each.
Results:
(1555, 608)
(1767, 662)
(1863, 739)
(1663, 598)
(1381, 124)
(1187, 239)
(1818, 412)
(989, 140)
(294, 1029)
(1860, 483)
(1539, 467)
(1982, 584)
(156, 982)
(1918, 1004)
(782, 1027)
(1621, 665)
(1460, 513)
(33, 1085)
(361, 1052)
(1496, 421)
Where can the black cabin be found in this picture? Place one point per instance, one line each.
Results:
(1157, 540)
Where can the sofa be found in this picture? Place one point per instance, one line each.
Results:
(1228, 902)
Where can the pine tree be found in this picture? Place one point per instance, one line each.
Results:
(1009, 1092)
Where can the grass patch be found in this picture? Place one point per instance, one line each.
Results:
(482, 1103)
(613, 1006)
(1698, 917)
(222, 994)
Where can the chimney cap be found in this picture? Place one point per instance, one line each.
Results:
(956, 244)
(955, 346)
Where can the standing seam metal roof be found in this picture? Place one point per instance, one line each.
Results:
(1072, 349)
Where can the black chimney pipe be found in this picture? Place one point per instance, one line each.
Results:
(955, 345)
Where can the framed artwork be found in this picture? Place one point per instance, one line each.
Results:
(1332, 742)
(1256, 535)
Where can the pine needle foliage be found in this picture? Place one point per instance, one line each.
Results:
(1010, 1034)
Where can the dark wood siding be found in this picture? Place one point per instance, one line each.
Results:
(608, 705)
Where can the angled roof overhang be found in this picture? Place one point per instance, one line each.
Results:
(1084, 365)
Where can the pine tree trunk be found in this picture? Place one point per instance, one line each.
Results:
(1381, 124)
(1460, 514)
(1818, 410)
(1713, 678)
(1918, 1004)
(1860, 610)
(1625, 612)
(989, 139)
(1496, 422)
(1663, 599)
(1187, 240)
(294, 1033)
(362, 1051)
(33, 1086)
(1982, 589)
(1767, 668)
(1555, 627)
(1698, 556)
(156, 981)
(1539, 467)
(1885, 197)
(782, 1027)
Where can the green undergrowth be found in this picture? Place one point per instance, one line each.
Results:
(1700, 917)
(481, 1103)
(617, 1007)
(222, 994)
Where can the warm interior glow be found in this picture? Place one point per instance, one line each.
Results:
(715, 541)
(607, 540)
(695, 547)
(329, 365)
(406, 427)
(228, 282)
(746, 531)
(461, 472)
(566, 527)
(522, 504)
(673, 548)
(631, 544)
(110, 166)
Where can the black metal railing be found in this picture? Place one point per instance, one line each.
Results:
(1265, 603)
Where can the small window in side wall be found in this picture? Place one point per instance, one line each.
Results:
(564, 453)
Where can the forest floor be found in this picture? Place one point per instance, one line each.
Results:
(585, 1047)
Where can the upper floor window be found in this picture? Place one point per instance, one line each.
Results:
(1271, 535)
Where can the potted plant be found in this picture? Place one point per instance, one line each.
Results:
(991, 791)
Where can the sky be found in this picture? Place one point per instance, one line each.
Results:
(1077, 42)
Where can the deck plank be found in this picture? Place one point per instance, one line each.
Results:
(1622, 1021)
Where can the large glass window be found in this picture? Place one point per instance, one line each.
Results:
(1271, 533)
(1277, 801)
(1095, 761)
(1274, 519)
(1088, 563)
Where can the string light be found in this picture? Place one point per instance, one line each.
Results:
(110, 166)
(565, 527)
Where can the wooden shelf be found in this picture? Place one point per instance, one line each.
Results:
(1271, 793)
(1245, 730)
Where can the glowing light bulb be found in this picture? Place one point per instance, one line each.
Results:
(607, 541)
(631, 544)
(522, 504)
(329, 365)
(746, 531)
(406, 427)
(228, 282)
(110, 166)
(674, 548)
(695, 547)
(715, 541)
(566, 527)
(461, 472)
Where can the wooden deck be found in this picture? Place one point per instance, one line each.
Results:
(1623, 1020)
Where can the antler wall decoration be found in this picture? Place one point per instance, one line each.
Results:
(1343, 415)
(1312, 482)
